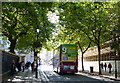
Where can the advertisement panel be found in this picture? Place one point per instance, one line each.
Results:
(69, 52)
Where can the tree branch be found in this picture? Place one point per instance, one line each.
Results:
(21, 23)
(80, 47)
(88, 36)
(93, 33)
(99, 32)
(7, 16)
(87, 47)
(5, 34)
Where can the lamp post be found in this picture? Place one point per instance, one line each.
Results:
(36, 52)
(115, 33)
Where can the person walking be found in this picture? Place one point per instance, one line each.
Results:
(35, 65)
(18, 65)
(105, 66)
(32, 66)
(12, 67)
(101, 65)
(110, 67)
(23, 66)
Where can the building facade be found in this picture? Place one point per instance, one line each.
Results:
(107, 56)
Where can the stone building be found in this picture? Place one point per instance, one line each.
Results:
(108, 55)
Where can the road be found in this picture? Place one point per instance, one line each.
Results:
(46, 74)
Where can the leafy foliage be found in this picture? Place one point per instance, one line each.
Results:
(81, 22)
(20, 20)
(86, 22)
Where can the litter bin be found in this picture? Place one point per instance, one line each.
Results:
(91, 69)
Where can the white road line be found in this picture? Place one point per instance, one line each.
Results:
(45, 76)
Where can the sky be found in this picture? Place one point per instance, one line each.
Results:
(52, 17)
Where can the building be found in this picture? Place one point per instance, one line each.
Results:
(46, 57)
(107, 56)
(106, 53)
(26, 57)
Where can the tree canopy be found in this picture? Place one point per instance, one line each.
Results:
(82, 22)
(20, 20)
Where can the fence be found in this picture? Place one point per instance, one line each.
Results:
(7, 58)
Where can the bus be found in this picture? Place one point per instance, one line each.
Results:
(65, 59)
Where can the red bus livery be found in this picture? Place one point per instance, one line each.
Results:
(65, 59)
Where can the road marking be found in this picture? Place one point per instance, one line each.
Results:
(45, 76)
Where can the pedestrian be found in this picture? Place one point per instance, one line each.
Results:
(23, 66)
(12, 67)
(18, 66)
(32, 66)
(39, 63)
(105, 66)
(110, 67)
(20, 63)
(101, 65)
(35, 65)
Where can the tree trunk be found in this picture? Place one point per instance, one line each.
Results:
(82, 62)
(99, 59)
(35, 53)
(12, 45)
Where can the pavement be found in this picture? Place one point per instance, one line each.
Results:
(27, 75)
(104, 74)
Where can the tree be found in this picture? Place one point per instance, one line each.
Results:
(20, 20)
(46, 29)
(90, 18)
(68, 32)
(17, 18)
(97, 26)
(115, 32)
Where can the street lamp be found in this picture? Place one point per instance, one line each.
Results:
(38, 29)
(115, 34)
(35, 52)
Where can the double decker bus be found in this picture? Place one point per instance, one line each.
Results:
(65, 59)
